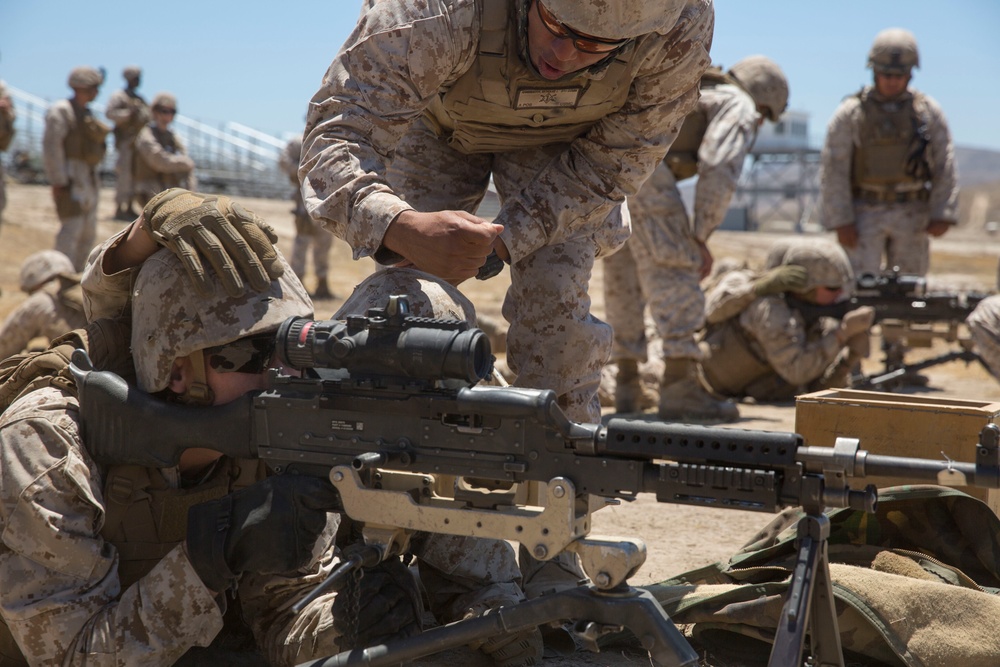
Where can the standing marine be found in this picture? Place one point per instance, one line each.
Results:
(73, 146)
(888, 178)
(663, 263)
(128, 110)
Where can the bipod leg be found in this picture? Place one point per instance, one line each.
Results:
(810, 605)
(626, 607)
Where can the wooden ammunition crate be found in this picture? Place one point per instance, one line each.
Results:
(899, 425)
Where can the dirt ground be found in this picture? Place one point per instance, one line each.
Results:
(677, 538)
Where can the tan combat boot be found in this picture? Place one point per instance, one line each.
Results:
(631, 395)
(682, 395)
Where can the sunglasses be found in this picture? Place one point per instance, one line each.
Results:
(252, 354)
(165, 110)
(581, 42)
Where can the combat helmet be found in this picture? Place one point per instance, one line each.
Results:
(763, 79)
(85, 77)
(825, 262)
(43, 266)
(171, 320)
(164, 100)
(428, 296)
(894, 51)
(617, 19)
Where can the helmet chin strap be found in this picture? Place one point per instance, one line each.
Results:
(198, 392)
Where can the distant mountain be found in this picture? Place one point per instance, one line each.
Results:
(977, 166)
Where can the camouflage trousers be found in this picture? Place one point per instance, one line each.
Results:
(554, 341)
(673, 295)
(77, 234)
(124, 184)
(891, 235)
(658, 267)
(309, 235)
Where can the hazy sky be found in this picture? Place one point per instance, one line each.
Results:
(258, 63)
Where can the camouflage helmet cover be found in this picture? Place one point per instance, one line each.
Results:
(41, 267)
(617, 19)
(766, 83)
(428, 296)
(165, 100)
(894, 51)
(170, 320)
(85, 77)
(825, 262)
(131, 73)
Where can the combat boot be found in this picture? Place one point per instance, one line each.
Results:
(322, 290)
(631, 395)
(682, 395)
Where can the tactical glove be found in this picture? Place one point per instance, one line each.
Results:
(780, 279)
(384, 604)
(857, 321)
(269, 527)
(197, 227)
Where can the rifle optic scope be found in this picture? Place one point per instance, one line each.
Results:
(410, 347)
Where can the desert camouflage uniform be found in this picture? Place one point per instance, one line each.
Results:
(784, 355)
(660, 264)
(307, 232)
(984, 325)
(79, 228)
(896, 230)
(383, 136)
(161, 162)
(7, 120)
(128, 111)
(51, 311)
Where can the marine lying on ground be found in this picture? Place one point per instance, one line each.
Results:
(387, 408)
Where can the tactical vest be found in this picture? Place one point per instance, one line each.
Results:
(125, 132)
(499, 104)
(145, 518)
(891, 154)
(682, 158)
(86, 138)
(731, 363)
(145, 173)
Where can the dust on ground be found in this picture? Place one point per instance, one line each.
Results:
(678, 538)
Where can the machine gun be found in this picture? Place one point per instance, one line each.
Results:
(909, 317)
(388, 411)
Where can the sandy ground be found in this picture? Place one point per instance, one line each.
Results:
(678, 538)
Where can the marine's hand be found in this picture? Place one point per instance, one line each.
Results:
(856, 321)
(780, 279)
(938, 227)
(847, 236)
(387, 606)
(449, 244)
(268, 527)
(859, 347)
(706, 260)
(197, 227)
